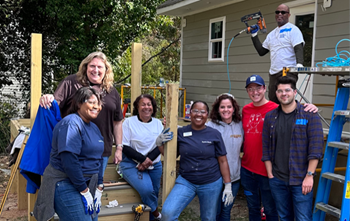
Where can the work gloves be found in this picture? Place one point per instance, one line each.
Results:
(227, 196)
(88, 202)
(97, 200)
(164, 137)
(254, 30)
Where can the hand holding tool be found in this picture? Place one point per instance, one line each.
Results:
(88, 202)
(164, 137)
(97, 200)
(227, 196)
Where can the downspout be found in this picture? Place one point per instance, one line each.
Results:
(313, 50)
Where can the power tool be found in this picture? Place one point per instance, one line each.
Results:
(138, 210)
(254, 16)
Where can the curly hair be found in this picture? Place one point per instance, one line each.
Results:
(107, 82)
(215, 115)
(136, 104)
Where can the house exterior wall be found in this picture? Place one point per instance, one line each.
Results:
(205, 80)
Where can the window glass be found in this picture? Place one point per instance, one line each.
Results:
(216, 49)
(216, 30)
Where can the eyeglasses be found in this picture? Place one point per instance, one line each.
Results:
(95, 66)
(252, 89)
(93, 102)
(288, 90)
(227, 94)
(282, 12)
(201, 112)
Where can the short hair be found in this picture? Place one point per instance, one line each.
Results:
(215, 115)
(107, 81)
(80, 97)
(136, 104)
(199, 101)
(286, 80)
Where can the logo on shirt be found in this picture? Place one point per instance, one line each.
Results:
(206, 141)
(100, 141)
(254, 121)
(285, 30)
(301, 122)
(236, 135)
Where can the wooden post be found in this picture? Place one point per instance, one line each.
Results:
(35, 94)
(136, 72)
(169, 169)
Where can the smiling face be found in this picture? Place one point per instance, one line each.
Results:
(145, 109)
(226, 110)
(256, 94)
(90, 109)
(96, 71)
(285, 94)
(199, 116)
(280, 18)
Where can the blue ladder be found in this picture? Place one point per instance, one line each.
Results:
(339, 117)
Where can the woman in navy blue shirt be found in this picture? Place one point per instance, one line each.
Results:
(73, 179)
(203, 166)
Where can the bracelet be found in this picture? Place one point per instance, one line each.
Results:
(120, 145)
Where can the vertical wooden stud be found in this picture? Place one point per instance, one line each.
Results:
(136, 72)
(169, 169)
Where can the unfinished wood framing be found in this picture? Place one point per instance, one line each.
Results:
(169, 169)
(136, 72)
(35, 94)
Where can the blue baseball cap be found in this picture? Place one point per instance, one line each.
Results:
(257, 79)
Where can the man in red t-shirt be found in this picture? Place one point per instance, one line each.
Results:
(253, 171)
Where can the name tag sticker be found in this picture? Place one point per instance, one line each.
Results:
(187, 134)
(301, 122)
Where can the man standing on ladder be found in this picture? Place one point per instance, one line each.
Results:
(285, 43)
(292, 147)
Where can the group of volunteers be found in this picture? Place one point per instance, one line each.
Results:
(281, 141)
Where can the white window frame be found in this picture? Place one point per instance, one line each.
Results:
(210, 59)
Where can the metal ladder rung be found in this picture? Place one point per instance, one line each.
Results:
(340, 145)
(329, 209)
(333, 176)
(345, 113)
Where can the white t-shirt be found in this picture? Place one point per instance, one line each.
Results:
(141, 136)
(281, 42)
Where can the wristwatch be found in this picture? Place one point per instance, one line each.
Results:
(309, 173)
(101, 186)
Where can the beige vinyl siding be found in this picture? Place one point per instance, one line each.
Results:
(332, 26)
(205, 80)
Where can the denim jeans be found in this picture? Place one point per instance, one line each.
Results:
(183, 193)
(224, 212)
(146, 183)
(256, 188)
(69, 204)
(291, 202)
(104, 164)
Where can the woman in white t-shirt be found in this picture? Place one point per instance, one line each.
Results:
(141, 166)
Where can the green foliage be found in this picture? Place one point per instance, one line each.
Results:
(7, 111)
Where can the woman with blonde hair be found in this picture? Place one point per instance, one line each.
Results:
(94, 71)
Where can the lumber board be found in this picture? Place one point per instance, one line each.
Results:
(136, 69)
(169, 169)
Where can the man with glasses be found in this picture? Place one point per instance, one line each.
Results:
(285, 43)
(253, 172)
(292, 146)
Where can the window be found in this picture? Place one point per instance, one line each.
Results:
(216, 39)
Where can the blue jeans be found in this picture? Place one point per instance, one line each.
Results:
(68, 203)
(146, 183)
(224, 212)
(183, 193)
(290, 201)
(104, 164)
(256, 188)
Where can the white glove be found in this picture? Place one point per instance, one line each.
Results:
(97, 200)
(300, 65)
(164, 137)
(227, 196)
(88, 202)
